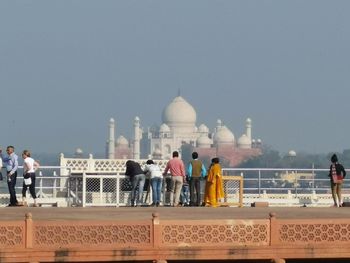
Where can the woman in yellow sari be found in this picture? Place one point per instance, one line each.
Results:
(213, 188)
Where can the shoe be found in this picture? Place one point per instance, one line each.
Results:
(35, 205)
(178, 205)
(157, 204)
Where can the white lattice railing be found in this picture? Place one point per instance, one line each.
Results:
(91, 165)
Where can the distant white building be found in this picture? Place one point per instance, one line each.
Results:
(179, 127)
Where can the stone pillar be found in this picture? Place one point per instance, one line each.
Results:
(136, 152)
(111, 140)
(28, 230)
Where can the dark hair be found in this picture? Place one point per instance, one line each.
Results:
(334, 158)
(215, 160)
(175, 154)
(194, 155)
(129, 162)
(149, 162)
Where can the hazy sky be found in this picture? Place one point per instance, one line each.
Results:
(67, 67)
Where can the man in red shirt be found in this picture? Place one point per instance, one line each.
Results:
(177, 171)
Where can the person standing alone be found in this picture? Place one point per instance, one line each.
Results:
(11, 163)
(336, 174)
(29, 167)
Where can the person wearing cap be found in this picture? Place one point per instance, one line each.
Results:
(337, 174)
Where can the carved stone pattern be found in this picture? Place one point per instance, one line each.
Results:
(67, 236)
(77, 164)
(240, 234)
(314, 233)
(11, 236)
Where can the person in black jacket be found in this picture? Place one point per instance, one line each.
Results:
(337, 174)
(137, 178)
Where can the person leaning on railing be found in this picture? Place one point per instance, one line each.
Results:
(337, 174)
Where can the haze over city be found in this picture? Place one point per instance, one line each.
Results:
(67, 67)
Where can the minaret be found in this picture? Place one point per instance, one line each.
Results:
(218, 125)
(136, 154)
(248, 126)
(111, 140)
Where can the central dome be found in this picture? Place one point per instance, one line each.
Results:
(179, 114)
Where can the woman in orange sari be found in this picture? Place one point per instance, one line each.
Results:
(213, 188)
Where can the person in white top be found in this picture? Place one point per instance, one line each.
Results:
(153, 171)
(29, 167)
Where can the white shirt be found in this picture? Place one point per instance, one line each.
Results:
(28, 165)
(153, 170)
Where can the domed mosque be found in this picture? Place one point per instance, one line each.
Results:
(178, 128)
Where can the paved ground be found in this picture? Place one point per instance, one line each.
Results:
(140, 213)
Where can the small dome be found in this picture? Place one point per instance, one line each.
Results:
(78, 151)
(292, 153)
(203, 142)
(179, 112)
(164, 128)
(122, 141)
(203, 128)
(224, 136)
(248, 121)
(244, 142)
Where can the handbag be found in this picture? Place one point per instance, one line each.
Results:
(1, 177)
(337, 178)
(28, 181)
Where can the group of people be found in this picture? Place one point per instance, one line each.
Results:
(180, 181)
(196, 172)
(10, 161)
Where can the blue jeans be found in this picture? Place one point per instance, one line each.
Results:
(156, 184)
(137, 180)
(185, 194)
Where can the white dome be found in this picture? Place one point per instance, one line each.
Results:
(122, 141)
(164, 128)
(203, 142)
(292, 153)
(78, 151)
(244, 142)
(179, 113)
(203, 128)
(224, 136)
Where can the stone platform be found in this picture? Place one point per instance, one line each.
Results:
(168, 234)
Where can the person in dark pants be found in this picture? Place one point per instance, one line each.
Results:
(11, 163)
(29, 167)
(196, 171)
(137, 178)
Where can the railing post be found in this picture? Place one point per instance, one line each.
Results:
(156, 230)
(28, 230)
(41, 184)
(84, 190)
(118, 190)
(54, 190)
(259, 182)
(274, 236)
